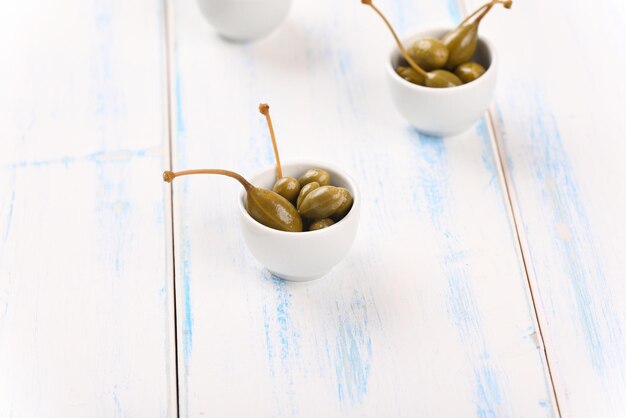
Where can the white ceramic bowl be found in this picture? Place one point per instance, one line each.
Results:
(244, 20)
(444, 111)
(301, 256)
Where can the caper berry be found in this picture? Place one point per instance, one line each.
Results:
(442, 78)
(429, 53)
(321, 224)
(345, 207)
(264, 206)
(287, 187)
(315, 175)
(469, 71)
(305, 190)
(273, 210)
(322, 202)
(462, 40)
(409, 74)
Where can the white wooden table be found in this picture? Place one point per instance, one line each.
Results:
(487, 278)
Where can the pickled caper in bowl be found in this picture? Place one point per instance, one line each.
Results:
(442, 80)
(307, 255)
(445, 111)
(426, 57)
(469, 71)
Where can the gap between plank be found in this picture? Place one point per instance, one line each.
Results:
(167, 25)
(497, 150)
(498, 153)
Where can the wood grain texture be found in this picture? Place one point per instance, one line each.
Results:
(560, 117)
(429, 315)
(85, 266)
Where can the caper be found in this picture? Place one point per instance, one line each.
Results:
(345, 207)
(461, 43)
(442, 79)
(273, 210)
(287, 187)
(429, 53)
(321, 224)
(462, 40)
(322, 202)
(315, 175)
(264, 206)
(305, 190)
(409, 74)
(469, 71)
(436, 78)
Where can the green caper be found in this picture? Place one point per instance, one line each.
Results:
(287, 187)
(442, 79)
(315, 175)
(345, 207)
(305, 190)
(264, 206)
(435, 78)
(462, 40)
(322, 202)
(429, 53)
(409, 74)
(272, 210)
(469, 71)
(321, 224)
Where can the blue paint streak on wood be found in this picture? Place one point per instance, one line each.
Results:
(282, 341)
(353, 353)
(180, 122)
(487, 155)
(100, 156)
(285, 330)
(454, 10)
(119, 412)
(188, 318)
(564, 205)
(432, 185)
(268, 340)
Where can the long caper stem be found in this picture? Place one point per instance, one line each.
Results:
(168, 176)
(264, 108)
(485, 9)
(475, 12)
(405, 54)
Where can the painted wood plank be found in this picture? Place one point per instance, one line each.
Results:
(429, 315)
(561, 133)
(86, 307)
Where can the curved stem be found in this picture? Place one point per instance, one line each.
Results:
(264, 108)
(405, 54)
(485, 9)
(168, 176)
(480, 16)
(475, 12)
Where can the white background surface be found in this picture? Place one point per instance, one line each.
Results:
(486, 279)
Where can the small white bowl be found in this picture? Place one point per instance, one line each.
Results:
(301, 256)
(244, 20)
(444, 111)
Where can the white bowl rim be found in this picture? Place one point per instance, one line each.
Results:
(313, 164)
(443, 91)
